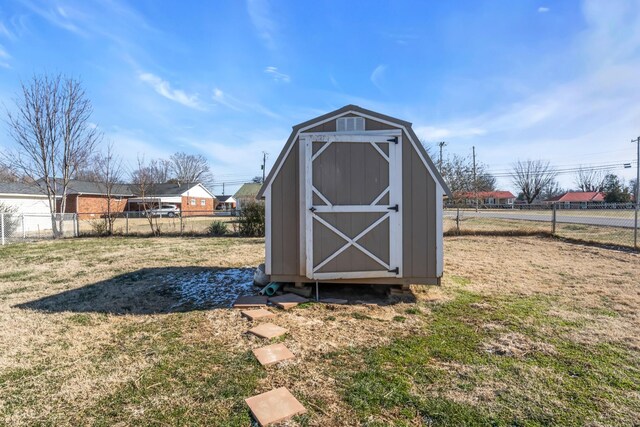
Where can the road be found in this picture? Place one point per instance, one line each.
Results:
(568, 217)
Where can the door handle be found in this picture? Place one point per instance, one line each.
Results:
(312, 209)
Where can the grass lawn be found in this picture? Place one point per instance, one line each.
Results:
(614, 236)
(524, 331)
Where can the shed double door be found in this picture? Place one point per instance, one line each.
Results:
(353, 217)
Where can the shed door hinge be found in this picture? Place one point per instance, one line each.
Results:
(394, 140)
(395, 270)
(394, 208)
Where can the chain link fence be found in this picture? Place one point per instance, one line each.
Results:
(603, 223)
(136, 223)
(15, 227)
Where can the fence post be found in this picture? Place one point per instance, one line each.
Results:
(2, 226)
(553, 219)
(24, 230)
(126, 222)
(76, 228)
(458, 221)
(181, 226)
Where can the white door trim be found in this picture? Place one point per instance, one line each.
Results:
(395, 198)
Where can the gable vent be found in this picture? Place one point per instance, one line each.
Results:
(350, 124)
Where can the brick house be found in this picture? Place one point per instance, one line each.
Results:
(488, 198)
(191, 198)
(577, 199)
(89, 199)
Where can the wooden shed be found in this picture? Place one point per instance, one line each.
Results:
(354, 197)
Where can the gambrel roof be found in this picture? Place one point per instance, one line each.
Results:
(359, 111)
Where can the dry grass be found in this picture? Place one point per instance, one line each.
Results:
(112, 350)
(140, 226)
(604, 235)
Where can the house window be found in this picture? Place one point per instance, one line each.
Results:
(203, 202)
(350, 124)
(193, 202)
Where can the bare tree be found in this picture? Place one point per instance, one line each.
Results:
(51, 128)
(551, 190)
(157, 171)
(7, 174)
(145, 181)
(109, 171)
(457, 172)
(531, 177)
(190, 168)
(590, 180)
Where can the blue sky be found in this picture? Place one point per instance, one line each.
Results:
(556, 80)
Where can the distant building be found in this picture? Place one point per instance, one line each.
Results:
(573, 199)
(487, 198)
(225, 203)
(247, 193)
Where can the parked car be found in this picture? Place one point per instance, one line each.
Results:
(165, 210)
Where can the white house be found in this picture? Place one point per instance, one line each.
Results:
(31, 206)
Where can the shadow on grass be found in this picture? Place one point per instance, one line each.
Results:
(182, 289)
(152, 291)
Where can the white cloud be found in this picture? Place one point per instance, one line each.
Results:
(163, 87)
(277, 75)
(5, 32)
(261, 18)
(378, 75)
(432, 133)
(4, 57)
(233, 103)
(543, 9)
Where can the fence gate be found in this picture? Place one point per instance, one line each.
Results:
(353, 205)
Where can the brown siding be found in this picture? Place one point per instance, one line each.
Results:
(418, 207)
(419, 215)
(285, 229)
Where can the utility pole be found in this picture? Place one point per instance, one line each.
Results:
(223, 188)
(264, 164)
(635, 225)
(475, 181)
(441, 144)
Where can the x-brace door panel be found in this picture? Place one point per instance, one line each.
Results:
(353, 194)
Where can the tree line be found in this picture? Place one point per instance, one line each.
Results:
(534, 180)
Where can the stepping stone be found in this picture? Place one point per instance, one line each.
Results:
(334, 301)
(257, 314)
(271, 354)
(248, 301)
(274, 406)
(267, 330)
(287, 301)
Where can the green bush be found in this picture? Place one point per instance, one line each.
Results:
(252, 220)
(217, 228)
(99, 227)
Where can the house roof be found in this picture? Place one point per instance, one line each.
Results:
(173, 188)
(19, 188)
(347, 109)
(498, 194)
(249, 189)
(579, 196)
(225, 199)
(89, 187)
